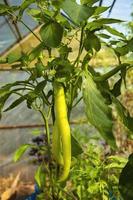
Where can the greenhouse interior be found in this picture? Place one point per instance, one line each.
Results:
(66, 100)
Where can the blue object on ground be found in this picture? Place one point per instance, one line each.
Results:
(34, 194)
(37, 190)
(111, 196)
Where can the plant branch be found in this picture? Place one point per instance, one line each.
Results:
(77, 102)
(46, 126)
(80, 46)
(30, 31)
(45, 118)
(69, 194)
(16, 18)
(18, 89)
(45, 99)
(110, 73)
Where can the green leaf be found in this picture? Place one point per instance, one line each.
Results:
(98, 113)
(3, 60)
(63, 21)
(108, 21)
(6, 91)
(89, 2)
(126, 180)
(36, 132)
(5, 9)
(64, 68)
(116, 91)
(94, 25)
(118, 159)
(122, 50)
(76, 148)
(123, 114)
(114, 165)
(78, 13)
(24, 6)
(40, 177)
(49, 94)
(39, 69)
(112, 72)
(3, 100)
(64, 51)
(123, 75)
(31, 97)
(100, 24)
(104, 87)
(8, 86)
(35, 13)
(114, 32)
(52, 33)
(35, 53)
(20, 151)
(13, 57)
(130, 45)
(4, 95)
(40, 86)
(39, 16)
(92, 42)
(16, 103)
(100, 10)
(103, 35)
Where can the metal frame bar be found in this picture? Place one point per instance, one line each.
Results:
(100, 3)
(18, 36)
(15, 43)
(2, 23)
(4, 127)
(111, 8)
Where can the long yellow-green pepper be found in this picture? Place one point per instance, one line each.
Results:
(56, 145)
(62, 131)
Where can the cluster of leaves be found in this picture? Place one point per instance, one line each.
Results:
(38, 150)
(61, 22)
(94, 175)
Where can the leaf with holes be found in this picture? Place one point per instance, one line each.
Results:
(98, 113)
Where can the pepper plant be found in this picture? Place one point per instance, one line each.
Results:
(57, 74)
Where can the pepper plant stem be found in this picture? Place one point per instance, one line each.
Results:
(46, 118)
(110, 73)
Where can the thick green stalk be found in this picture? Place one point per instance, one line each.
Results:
(110, 73)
